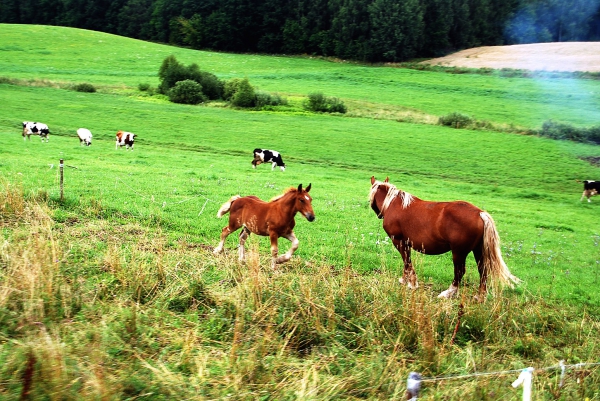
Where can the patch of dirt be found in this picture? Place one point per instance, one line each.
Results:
(563, 56)
(593, 160)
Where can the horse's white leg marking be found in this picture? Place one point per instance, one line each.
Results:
(288, 255)
(243, 236)
(224, 235)
(449, 293)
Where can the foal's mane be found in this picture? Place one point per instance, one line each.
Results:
(392, 193)
(287, 191)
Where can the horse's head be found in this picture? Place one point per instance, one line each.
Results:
(304, 203)
(377, 188)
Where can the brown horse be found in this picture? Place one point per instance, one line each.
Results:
(434, 228)
(273, 219)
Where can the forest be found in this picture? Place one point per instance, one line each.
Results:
(360, 30)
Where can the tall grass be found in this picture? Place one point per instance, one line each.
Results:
(142, 318)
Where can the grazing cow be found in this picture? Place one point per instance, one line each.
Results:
(35, 128)
(125, 139)
(85, 136)
(590, 188)
(268, 156)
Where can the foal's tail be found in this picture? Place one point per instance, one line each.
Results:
(226, 206)
(492, 257)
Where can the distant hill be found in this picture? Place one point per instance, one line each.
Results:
(563, 56)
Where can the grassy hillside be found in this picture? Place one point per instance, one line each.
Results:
(114, 292)
(74, 56)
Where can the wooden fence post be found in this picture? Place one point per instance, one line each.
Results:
(61, 165)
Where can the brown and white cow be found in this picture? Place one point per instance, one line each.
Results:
(126, 139)
(35, 128)
(85, 136)
(590, 188)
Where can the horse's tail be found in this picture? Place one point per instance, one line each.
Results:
(493, 263)
(226, 206)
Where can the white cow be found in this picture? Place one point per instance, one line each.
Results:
(85, 136)
(35, 128)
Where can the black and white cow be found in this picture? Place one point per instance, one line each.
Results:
(590, 188)
(35, 128)
(268, 156)
(85, 136)
(125, 139)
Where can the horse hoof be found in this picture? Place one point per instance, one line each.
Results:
(446, 294)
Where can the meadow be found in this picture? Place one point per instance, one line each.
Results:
(113, 292)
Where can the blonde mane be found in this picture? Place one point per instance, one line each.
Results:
(392, 194)
(287, 191)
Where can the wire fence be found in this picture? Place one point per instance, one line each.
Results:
(525, 378)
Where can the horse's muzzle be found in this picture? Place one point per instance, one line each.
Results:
(310, 216)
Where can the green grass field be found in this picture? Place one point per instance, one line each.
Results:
(114, 292)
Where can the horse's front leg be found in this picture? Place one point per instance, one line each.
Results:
(288, 255)
(459, 259)
(409, 276)
(243, 237)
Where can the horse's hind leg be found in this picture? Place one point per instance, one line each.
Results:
(483, 274)
(224, 233)
(459, 260)
(243, 237)
(409, 276)
(288, 255)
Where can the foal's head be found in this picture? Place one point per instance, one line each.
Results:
(303, 203)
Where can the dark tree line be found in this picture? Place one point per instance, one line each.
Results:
(365, 30)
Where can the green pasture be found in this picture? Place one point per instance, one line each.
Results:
(189, 160)
(130, 217)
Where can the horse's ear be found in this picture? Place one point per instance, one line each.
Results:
(387, 179)
(308, 188)
(372, 179)
(300, 188)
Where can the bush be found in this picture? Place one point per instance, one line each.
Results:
(171, 72)
(187, 92)
(456, 120)
(245, 95)
(320, 103)
(230, 88)
(144, 87)
(212, 86)
(84, 87)
(267, 99)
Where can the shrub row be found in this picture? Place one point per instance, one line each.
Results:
(562, 131)
(458, 120)
(190, 85)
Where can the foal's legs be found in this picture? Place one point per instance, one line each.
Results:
(243, 237)
(224, 233)
(288, 255)
(409, 276)
(459, 259)
(275, 249)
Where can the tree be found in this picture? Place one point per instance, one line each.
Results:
(397, 29)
